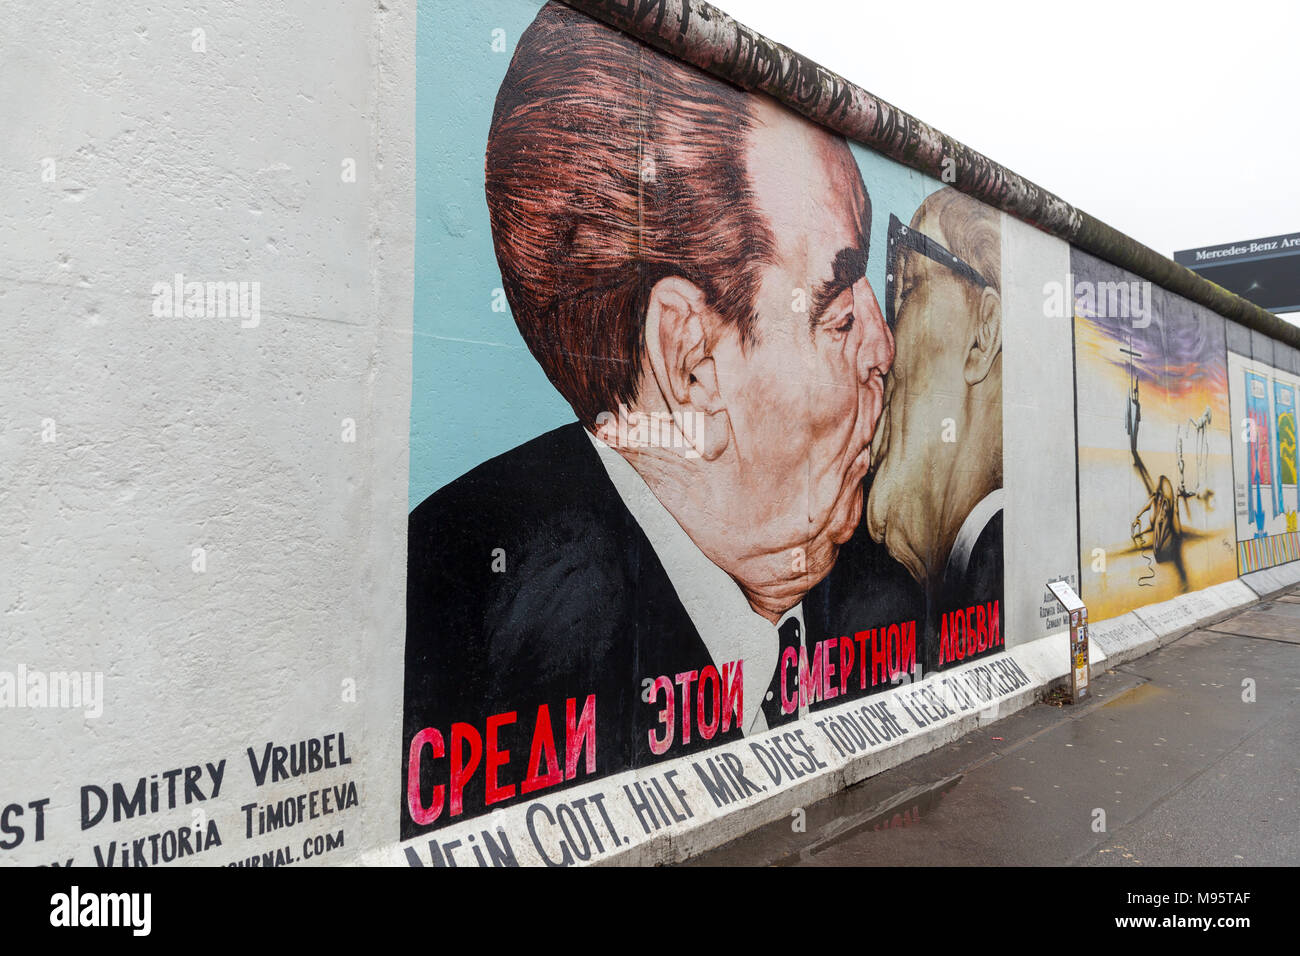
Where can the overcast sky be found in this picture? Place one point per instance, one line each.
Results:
(1175, 122)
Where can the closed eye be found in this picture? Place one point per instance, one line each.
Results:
(847, 268)
(905, 289)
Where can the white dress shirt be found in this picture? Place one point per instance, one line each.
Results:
(729, 627)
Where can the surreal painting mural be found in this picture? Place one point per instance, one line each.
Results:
(778, 484)
(1155, 465)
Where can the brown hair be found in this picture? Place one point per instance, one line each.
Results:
(609, 167)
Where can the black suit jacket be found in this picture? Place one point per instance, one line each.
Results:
(583, 606)
(866, 591)
(980, 585)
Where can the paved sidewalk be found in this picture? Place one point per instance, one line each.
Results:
(1187, 772)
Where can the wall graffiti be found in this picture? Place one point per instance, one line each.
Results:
(728, 537)
(1263, 402)
(1154, 443)
(741, 457)
(744, 443)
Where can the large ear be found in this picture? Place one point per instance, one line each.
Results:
(986, 340)
(679, 330)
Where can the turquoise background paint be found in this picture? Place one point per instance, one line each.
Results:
(476, 389)
(892, 188)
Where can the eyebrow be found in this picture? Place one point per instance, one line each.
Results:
(849, 266)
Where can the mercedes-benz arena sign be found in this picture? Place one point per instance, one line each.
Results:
(1265, 271)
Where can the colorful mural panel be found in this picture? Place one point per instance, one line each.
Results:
(762, 470)
(1154, 442)
(1263, 403)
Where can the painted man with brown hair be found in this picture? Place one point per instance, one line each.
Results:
(673, 249)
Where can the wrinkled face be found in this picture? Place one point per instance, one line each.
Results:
(924, 390)
(804, 400)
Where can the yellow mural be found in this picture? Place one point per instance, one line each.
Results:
(1155, 455)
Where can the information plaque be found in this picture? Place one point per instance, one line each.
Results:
(1079, 674)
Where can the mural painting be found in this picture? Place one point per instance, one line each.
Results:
(1263, 403)
(1154, 442)
(777, 482)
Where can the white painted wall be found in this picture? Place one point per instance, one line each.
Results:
(1038, 451)
(172, 434)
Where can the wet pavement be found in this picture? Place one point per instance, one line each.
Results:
(1189, 756)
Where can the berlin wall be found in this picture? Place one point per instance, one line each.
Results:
(507, 433)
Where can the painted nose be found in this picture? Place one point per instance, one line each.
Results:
(876, 352)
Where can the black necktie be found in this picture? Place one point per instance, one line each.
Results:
(790, 636)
